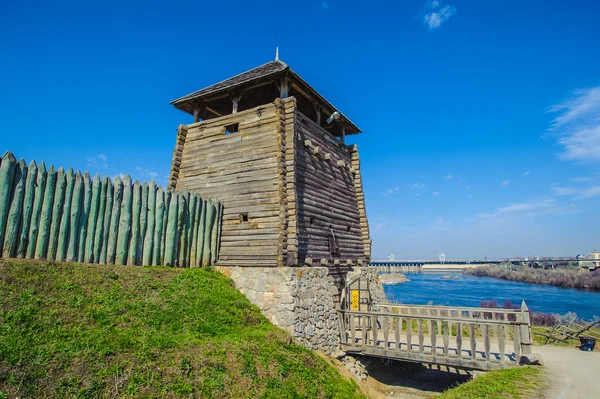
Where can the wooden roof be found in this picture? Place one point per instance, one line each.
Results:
(256, 77)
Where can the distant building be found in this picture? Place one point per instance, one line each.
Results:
(592, 262)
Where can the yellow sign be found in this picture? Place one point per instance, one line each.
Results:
(354, 299)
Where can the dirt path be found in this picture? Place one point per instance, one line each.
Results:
(572, 374)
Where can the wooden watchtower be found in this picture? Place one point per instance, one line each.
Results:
(272, 150)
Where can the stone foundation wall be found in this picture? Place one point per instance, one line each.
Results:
(300, 300)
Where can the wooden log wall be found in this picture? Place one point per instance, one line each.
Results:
(330, 200)
(244, 170)
(66, 216)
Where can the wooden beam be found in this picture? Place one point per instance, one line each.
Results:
(342, 132)
(235, 99)
(198, 111)
(284, 87)
(317, 108)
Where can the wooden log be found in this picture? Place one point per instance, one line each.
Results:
(99, 233)
(59, 202)
(158, 227)
(41, 247)
(473, 340)
(143, 223)
(124, 223)
(447, 330)
(172, 232)
(40, 188)
(200, 234)
(111, 248)
(76, 204)
(136, 206)
(107, 219)
(409, 324)
(7, 176)
(151, 219)
(192, 221)
(210, 220)
(501, 344)
(28, 202)
(15, 213)
(486, 341)
(90, 238)
(65, 219)
(459, 339)
(181, 239)
(83, 217)
(168, 195)
(214, 243)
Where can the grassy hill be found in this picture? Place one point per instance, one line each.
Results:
(73, 330)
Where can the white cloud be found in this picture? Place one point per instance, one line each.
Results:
(437, 14)
(467, 187)
(578, 125)
(98, 162)
(448, 177)
(146, 172)
(536, 206)
(415, 186)
(506, 182)
(526, 173)
(577, 192)
(382, 226)
(436, 193)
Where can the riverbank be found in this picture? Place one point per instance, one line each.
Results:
(567, 278)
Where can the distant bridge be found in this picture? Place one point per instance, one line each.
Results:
(418, 266)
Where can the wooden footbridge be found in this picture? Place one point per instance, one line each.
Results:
(467, 338)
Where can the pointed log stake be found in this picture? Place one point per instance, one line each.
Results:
(65, 219)
(149, 237)
(159, 211)
(83, 217)
(41, 247)
(76, 202)
(7, 175)
(172, 233)
(40, 188)
(136, 205)
(27, 208)
(111, 248)
(210, 219)
(200, 238)
(193, 217)
(143, 223)
(99, 233)
(181, 237)
(168, 195)
(214, 239)
(59, 200)
(11, 236)
(108, 207)
(92, 220)
(124, 223)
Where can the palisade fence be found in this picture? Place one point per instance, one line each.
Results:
(66, 216)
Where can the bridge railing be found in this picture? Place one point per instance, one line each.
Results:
(459, 337)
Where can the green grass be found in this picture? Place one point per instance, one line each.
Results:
(81, 331)
(519, 382)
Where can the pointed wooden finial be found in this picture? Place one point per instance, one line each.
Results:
(277, 53)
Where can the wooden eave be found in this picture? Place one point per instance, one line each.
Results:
(259, 76)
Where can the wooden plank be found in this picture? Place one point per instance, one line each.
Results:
(351, 321)
(28, 206)
(15, 212)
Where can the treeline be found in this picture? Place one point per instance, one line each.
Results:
(568, 278)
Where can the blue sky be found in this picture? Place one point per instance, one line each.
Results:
(481, 119)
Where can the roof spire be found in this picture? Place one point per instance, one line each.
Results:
(277, 53)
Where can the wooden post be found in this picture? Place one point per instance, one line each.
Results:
(40, 188)
(65, 220)
(149, 238)
(11, 237)
(202, 205)
(28, 202)
(235, 100)
(41, 248)
(92, 220)
(158, 226)
(136, 205)
(342, 132)
(143, 224)
(75, 214)
(7, 175)
(317, 109)
(181, 234)
(191, 224)
(99, 233)
(124, 223)
(59, 199)
(208, 224)
(525, 330)
(198, 111)
(108, 209)
(172, 232)
(83, 218)
(284, 87)
(111, 247)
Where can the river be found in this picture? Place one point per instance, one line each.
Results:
(469, 291)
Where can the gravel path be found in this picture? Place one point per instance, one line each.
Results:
(572, 374)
